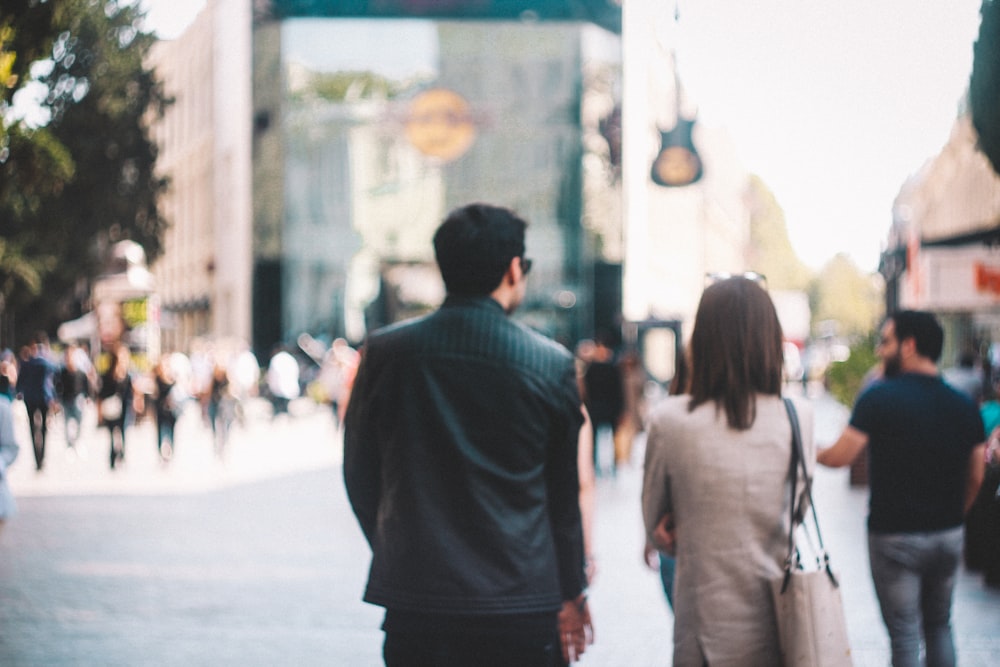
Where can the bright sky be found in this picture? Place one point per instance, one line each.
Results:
(833, 104)
(168, 18)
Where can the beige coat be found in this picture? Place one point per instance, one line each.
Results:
(728, 492)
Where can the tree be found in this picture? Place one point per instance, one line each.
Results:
(26, 33)
(771, 252)
(845, 295)
(87, 179)
(984, 83)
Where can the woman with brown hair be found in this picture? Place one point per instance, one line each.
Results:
(716, 472)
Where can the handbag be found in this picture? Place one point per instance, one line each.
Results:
(111, 408)
(812, 627)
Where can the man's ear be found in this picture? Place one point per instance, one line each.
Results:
(510, 276)
(908, 346)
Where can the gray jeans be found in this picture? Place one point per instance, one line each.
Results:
(914, 576)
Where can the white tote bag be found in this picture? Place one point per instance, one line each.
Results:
(812, 627)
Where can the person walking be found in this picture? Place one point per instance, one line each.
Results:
(168, 404)
(74, 391)
(8, 453)
(8, 374)
(117, 400)
(221, 408)
(460, 461)
(604, 396)
(926, 444)
(36, 385)
(716, 480)
(282, 379)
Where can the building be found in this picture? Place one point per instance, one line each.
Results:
(313, 156)
(943, 250)
(203, 276)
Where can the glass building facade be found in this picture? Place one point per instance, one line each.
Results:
(367, 132)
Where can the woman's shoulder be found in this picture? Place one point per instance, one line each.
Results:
(669, 408)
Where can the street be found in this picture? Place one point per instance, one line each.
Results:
(257, 559)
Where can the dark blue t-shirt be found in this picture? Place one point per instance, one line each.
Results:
(920, 436)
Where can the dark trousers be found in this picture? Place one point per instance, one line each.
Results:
(117, 452)
(410, 649)
(38, 415)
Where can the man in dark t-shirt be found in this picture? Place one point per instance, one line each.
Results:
(925, 445)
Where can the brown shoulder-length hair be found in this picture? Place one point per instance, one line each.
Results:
(735, 350)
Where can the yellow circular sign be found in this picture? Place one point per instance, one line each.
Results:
(440, 124)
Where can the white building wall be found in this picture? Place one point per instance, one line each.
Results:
(233, 201)
(184, 273)
(673, 236)
(204, 139)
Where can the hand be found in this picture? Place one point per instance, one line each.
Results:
(650, 558)
(663, 535)
(575, 629)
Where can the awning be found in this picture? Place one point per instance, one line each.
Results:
(80, 329)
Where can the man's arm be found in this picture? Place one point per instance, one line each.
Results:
(977, 470)
(845, 450)
(563, 481)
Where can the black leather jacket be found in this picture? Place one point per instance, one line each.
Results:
(460, 462)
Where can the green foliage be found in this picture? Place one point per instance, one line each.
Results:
(25, 35)
(840, 292)
(339, 86)
(984, 83)
(771, 252)
(87, 179)
(844, 294)
(845, 379)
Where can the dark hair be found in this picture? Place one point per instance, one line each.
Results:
(923, 328)
(735, 350)
(474, 247)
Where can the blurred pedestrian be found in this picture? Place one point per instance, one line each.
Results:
(336, 375)
(926, 445)
(36, 385)
(282, 380)
(243, 371)
(604, 396)
(117, 401)
(73, 386)
(461, 465)
(716, 483)
(632, 423)
(8, 452)
(605, 401)
(221, 408)
(8, 374)
(168, 403)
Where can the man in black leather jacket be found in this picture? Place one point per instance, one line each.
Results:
(461, 465)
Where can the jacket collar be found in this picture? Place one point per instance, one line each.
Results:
(484, 302)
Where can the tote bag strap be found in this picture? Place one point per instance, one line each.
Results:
(796, 465)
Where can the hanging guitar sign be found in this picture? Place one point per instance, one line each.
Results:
(677, 164)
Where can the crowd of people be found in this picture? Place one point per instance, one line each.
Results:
(471, 444)
(216, 379)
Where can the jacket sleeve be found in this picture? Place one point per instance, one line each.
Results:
(655, 482)
(361, 453)
(564, 492)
